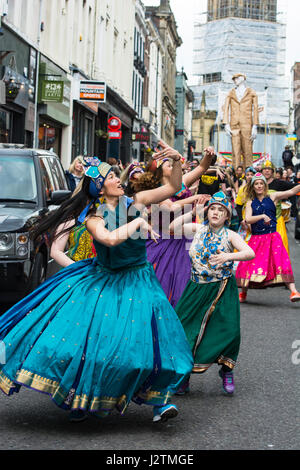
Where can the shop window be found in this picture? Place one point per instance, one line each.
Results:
(49, 138)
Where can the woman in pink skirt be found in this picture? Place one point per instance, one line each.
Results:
(272, 265)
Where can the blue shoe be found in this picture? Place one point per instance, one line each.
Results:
(163, 413)
(76, 416)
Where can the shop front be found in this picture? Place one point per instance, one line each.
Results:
(17, 89)
(49, 136)
(53, 107)
(85, 113)
(121, 149)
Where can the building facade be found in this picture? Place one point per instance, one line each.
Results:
(140, 70)
(154, 57)
(65, 123)
(265, 10)
(164, 20)
(296, 101)
(204, 127)
(51, 51)
(246, 37)
(184, 107)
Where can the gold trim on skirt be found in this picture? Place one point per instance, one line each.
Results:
(61, 397)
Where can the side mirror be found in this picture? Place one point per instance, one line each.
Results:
(57, 197)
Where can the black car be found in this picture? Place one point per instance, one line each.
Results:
(297, 224)
(32, 183)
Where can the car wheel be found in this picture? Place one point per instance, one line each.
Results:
(39, 272)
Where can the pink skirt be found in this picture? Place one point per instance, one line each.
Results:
(271, 265)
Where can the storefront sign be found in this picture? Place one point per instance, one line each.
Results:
(115, 134)
(92, 91)
(52, 91)
(141, 136)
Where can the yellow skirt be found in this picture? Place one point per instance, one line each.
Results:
(281, 229)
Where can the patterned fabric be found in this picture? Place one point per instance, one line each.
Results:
(207, 243)
(81, 244)
(222, 199)
(210, 315)
(96, 170)
(184, 193)
(271, 265)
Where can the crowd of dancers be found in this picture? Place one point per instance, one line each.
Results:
(151, 260)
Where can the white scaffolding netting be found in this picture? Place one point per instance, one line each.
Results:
(256, 48)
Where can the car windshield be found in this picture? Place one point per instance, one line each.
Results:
(17, 179)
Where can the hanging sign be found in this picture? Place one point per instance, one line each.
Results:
(92, 91)
(52, 91)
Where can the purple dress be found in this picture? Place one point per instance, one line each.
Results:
(170, 258)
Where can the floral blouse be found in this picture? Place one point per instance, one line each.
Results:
(205, 244)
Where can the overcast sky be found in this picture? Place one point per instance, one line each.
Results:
(185, 12)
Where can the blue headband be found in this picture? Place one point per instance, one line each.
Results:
(97, 171)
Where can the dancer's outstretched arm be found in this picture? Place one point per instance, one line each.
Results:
(192, 176)
(96, 227)
(279, 195)
(154, 196)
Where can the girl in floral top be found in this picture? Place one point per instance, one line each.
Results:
(209, 306)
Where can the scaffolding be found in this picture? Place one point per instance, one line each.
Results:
(255, 47)
(265, 10)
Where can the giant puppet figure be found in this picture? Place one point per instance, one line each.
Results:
(241, 121)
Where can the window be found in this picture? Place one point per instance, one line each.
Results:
(5, 126)
(47, 178)
(212, 77)
(17, 178)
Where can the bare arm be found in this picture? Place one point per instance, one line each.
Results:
(279, 195)
(177, 205)
(252, 219)
(192, 176)
(154, 196)
(58, 247)
(96, 227)
(183, 224)
(244, 252)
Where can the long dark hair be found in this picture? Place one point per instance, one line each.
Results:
(68, 210)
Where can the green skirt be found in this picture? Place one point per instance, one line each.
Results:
(210, 315)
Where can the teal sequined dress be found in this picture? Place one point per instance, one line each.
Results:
(97, 335)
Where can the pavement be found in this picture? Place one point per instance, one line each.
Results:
(263, 414)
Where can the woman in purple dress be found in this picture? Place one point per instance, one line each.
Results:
(170, 255)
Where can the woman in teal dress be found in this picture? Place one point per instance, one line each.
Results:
(101, 332)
